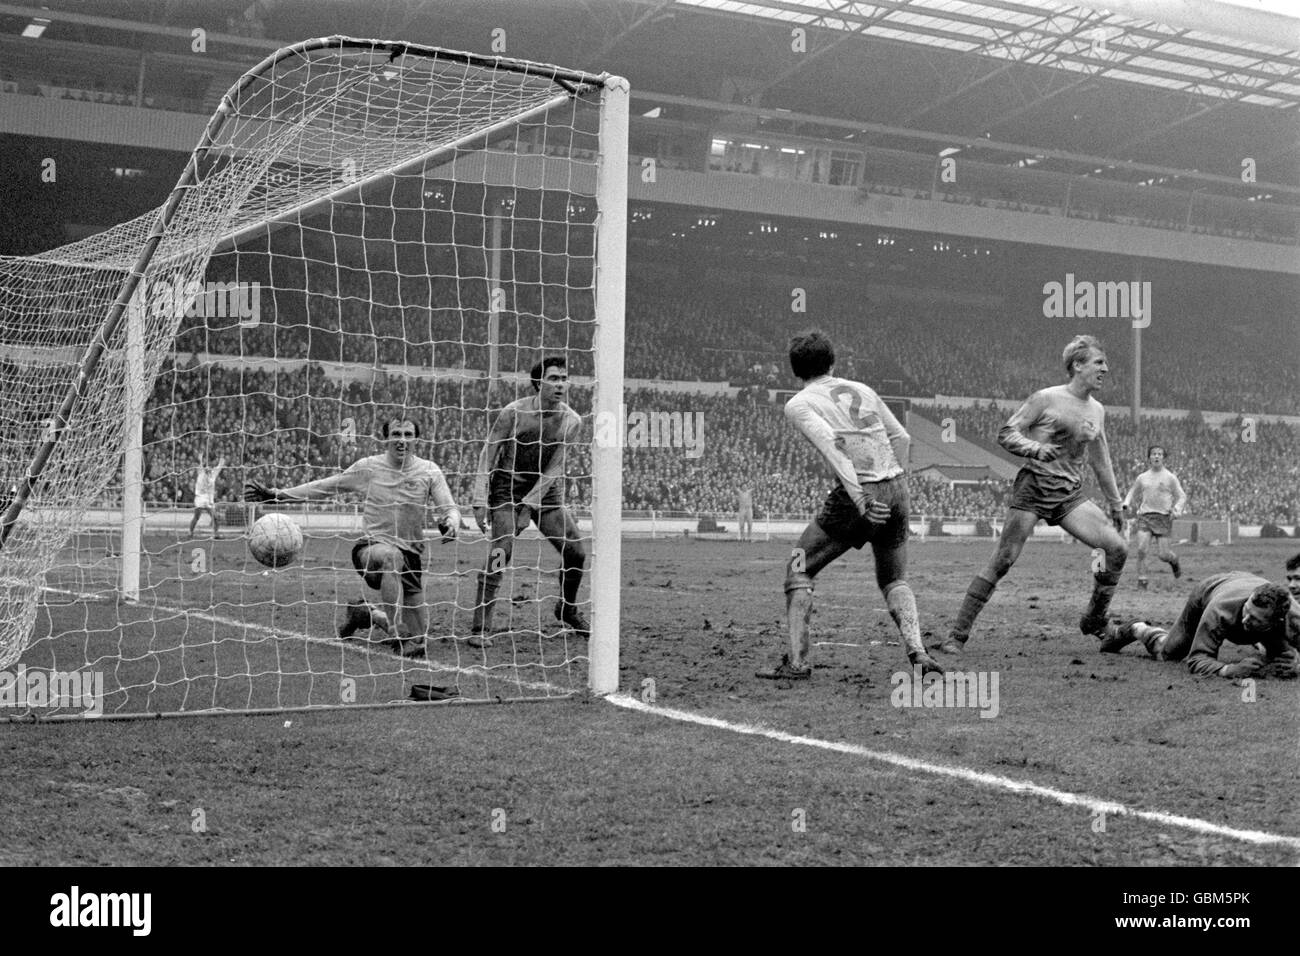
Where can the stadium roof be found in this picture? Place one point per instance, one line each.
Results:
(1050, 33)
(1147, 91)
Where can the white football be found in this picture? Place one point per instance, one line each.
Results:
(275, 540)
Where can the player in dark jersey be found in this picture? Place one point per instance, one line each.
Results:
(1231, 608)
(1058, 431)
(521, 476)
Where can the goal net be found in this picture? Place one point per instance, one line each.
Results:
(367, 231)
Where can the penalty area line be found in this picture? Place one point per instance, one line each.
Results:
(964, 774)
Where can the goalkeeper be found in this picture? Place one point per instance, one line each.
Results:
(397, 487)
(1234, 608)
(521, 480)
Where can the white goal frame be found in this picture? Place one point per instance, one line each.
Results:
(609, 298)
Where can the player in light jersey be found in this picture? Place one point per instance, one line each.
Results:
(745, 513)
(205, 495)
(866, 448)
(1157, 498)
(397, 488)
(521, 475)
(1058, 431)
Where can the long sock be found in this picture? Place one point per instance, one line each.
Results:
(1103, 589)
(798, 604)
(570, 581)
(902, 608)
(977, 595)
(1152, 638)
(485, 596)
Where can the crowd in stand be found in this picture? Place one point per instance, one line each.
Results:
(944, 347)
(340, 332)
(289, 427)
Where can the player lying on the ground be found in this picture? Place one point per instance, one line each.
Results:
(1157, 498)
(1234, 607)
(397, 487)
(1058, 430)
(205, 494)
(521, 476)
(866, 449)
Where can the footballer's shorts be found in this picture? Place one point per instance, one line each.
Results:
(840, 518)
(409, 573)
(508, 490)
(1157, 524)
(1048, 496)
(202, 501)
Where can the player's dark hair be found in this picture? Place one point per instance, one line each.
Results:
(811, 354)
(539, 370)
(1151, 448)
(383, 429)
(1077, 350)
(1293, 563)
(1273, 599)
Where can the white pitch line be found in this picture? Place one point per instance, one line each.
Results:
(1092, 804)
(474, 670)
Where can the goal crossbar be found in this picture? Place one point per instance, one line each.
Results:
(95, 350)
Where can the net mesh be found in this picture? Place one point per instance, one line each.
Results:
(369, 233)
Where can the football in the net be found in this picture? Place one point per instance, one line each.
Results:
(275, 540)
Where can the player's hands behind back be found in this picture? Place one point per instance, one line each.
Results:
(873, 510)
(1047, 451)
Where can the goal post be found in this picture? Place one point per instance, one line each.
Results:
(366, 229)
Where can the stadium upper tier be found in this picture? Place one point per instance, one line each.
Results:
(995, 179)
(916, 342)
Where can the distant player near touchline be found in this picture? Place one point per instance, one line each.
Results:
(205, 495)
(1057, 431)
(397, 488)
(1157, 498)
(521, 477)
(867, 450)
(745, 513)
(1235, 608)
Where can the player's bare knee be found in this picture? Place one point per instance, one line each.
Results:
(1002, 561)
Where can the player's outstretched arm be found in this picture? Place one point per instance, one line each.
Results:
(1012, 436)
(254, 490)
(351, 480)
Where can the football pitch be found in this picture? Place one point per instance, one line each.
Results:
(1078, 759)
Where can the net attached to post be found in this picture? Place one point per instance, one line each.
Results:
(367, 230)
